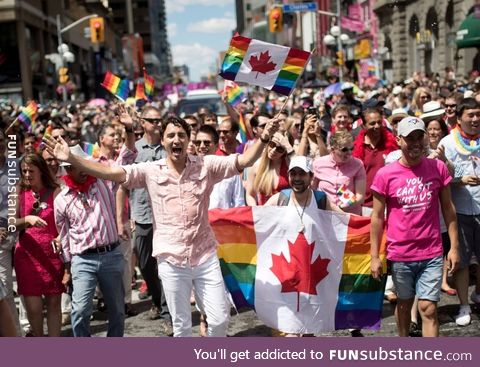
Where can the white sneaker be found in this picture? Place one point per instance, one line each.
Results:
(463, 318)
(475, 297)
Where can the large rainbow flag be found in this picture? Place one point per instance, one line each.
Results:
(309, 282)
(267, 65)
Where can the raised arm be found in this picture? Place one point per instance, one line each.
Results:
(61, 151)
(249, 157)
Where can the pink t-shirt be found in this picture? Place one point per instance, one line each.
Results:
(412, 200)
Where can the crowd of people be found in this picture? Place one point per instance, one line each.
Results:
(407, 155)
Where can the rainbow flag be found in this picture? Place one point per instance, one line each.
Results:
(91, 149)
(234, 93)
(149, 85)
(267, 65)
(309, 282)
(116, 86)
(48, 131)
(28, 114)
(140, 92)
(244, 136)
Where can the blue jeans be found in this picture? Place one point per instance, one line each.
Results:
(105, 269)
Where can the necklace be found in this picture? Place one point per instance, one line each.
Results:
(302, 226)
(465, 145)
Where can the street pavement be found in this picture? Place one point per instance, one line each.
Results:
(247, 324)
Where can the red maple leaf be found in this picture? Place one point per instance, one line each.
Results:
(262, 63)
(300, 274)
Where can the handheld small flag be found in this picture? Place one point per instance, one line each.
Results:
(28, 114)
(140, 92)
(149, 85)
(267, 65)
(91, 149)
(243, 129)
(116, 86)
(235, 94)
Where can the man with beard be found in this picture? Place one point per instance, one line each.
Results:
(301, 196)
(411, 189)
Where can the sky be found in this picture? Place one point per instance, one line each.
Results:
(197, 31)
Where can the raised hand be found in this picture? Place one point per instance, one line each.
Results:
(58, 148)
(124, 117)
(272, 126)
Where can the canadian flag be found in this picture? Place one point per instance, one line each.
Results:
(308, 281)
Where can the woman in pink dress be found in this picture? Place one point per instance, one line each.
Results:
(38, 266)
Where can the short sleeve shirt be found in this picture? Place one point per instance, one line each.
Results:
(412, 201)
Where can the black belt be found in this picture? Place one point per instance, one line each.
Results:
(102, 249)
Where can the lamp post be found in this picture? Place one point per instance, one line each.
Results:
(336, 37)
(64, 55)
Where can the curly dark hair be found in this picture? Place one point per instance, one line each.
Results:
(177, 121)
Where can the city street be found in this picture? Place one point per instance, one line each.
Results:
(247, 324)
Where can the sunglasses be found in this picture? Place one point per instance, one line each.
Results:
(207, 143)
(223, 131)
(450, 106)
(83, 199)
(154, 121)
(36, 203)
(346, 150)
(425, 97)
(277, 148)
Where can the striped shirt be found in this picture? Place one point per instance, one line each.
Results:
(85, 224)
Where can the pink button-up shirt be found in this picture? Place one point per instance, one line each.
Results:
(331, 176)
(84, 225)
(181, 231)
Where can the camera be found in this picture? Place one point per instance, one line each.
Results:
(312, 111)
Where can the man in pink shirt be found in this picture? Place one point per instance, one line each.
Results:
(411, 189)
(179, 187)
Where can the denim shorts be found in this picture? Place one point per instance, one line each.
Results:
(422, 278)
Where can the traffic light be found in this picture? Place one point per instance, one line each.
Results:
(63, 75)
(340, 59)
(97, 30)
(275, 20)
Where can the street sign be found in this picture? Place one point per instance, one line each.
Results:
(292, 8)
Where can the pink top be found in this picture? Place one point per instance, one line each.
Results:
(182, 233)
(331, 176)
(412, 200)
(85, 225)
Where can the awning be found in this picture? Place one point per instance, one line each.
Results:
(468, 35)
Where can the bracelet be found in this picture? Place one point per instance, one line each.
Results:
(265, 141)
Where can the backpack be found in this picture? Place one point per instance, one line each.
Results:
(320, 198)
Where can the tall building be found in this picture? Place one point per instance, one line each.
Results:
(150, 22)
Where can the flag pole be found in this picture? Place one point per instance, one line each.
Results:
(11, 125)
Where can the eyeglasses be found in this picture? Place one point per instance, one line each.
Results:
(278, 148)
(207, 143)
(346, 149)
(154, 121)
(450, 106)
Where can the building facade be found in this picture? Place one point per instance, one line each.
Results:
(420, 35)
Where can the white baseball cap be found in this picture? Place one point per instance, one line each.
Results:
(410, 124)
(301, 162)
(78, 151)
